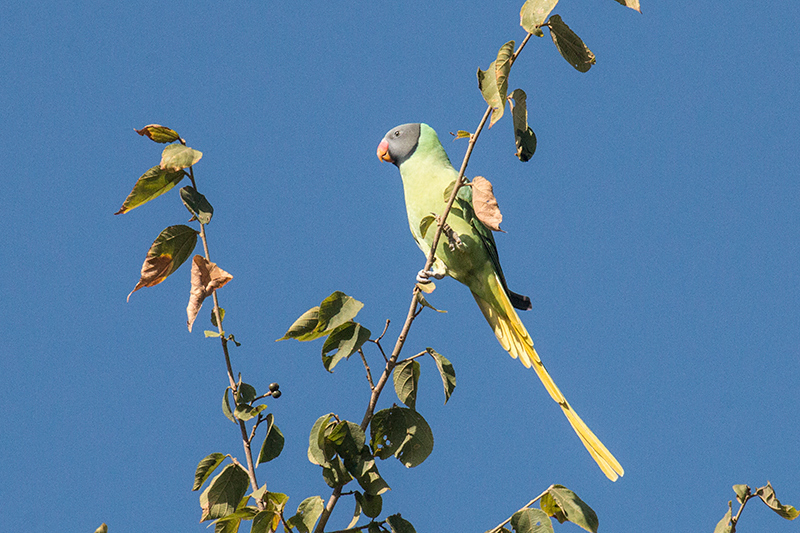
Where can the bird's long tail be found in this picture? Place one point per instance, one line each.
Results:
(515, 340)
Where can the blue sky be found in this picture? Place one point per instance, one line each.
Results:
(655, 229)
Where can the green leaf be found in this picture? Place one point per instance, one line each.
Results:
(531, 521)
(349, 440)
(335, 310)
(224, 493)
(371, 505)
(158, 133)
(493, 82)
(551, 508)
(569, 45)
(343, 341)
(767, 495)
(534, 13)
(226, 406)
(209, 333)
(303, 327)
(273, 442)
(150, 185)
(403, 433)
(317, 322)
(426, 222)
(356, 513)
(423, 301)
(320, 451)
(308, 512)
(264, 520)
(502, 68)
(169, 251)
(246, 393)
(575, 510)
(633, 4)
(724, 525)
(214, 317)
(447, 372)
(245, 412)
(448, 191)
(400, 524)
(197, 204)
(462, 134)
(524, 137)
(259, 493)
(277, 500)
(205, 468)
(406, 379)
(268, 520)
(335, 474)
(742, 492)
(178, 156)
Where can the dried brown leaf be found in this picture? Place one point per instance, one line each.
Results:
(485, 204)
(206, 278)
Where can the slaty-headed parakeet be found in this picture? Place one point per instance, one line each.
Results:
(471, 258)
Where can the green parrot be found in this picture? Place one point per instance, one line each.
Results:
(470, 257)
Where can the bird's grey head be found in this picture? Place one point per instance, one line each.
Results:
(399, 143)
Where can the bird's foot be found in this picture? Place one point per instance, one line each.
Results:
(453, 240)
(424, 276)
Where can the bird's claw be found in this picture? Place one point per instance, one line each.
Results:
(424, 276)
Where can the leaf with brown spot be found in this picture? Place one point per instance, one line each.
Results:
(485, 204)
(170, 250)
(178, 156)
(158, 133)
(149, 186)
(206, 278)
(569, 45)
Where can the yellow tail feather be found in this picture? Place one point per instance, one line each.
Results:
(515, 340)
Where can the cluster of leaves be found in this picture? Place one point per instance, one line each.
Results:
(743, 495)
(341, 447)
(493, 82)
(175, 244)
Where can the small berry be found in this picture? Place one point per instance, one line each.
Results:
(276, 394)
(273, 387)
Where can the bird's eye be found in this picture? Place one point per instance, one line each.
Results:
(397, 133)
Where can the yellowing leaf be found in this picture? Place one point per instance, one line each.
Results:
(150, 185)
(169, 251)
(767, 495)
(485, 204)
(569, 45)
(524, 137)
(206, 278)
(633, 4)
(534, 13)
(461, 134)
(178, 156)
(158, 133)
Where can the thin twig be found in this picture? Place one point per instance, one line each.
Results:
(366, 365)
(526, 506)
(251, 469)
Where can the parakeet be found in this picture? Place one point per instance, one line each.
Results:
(468, 254)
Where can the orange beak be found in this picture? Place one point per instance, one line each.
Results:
(383, 152)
